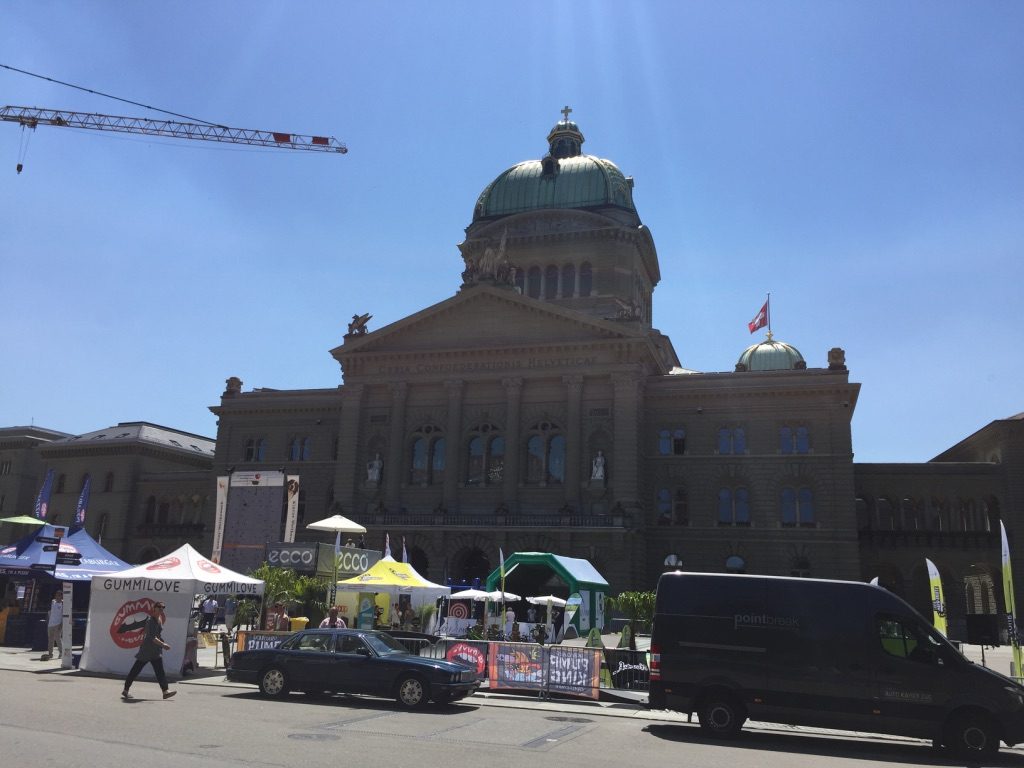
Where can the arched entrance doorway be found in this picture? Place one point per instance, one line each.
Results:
(470, 567)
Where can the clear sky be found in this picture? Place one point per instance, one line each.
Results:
(862, 161)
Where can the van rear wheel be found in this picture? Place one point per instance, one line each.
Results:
(973, 735)
(721, 715)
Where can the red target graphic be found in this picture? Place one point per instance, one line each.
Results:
(458, 610)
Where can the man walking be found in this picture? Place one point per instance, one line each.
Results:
(151, 652)
(55, 625)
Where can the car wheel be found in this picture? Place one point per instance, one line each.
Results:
(973, 735)
(721, 716)
(412, 692)
(273, 682)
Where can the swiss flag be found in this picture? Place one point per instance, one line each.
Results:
(760, 319)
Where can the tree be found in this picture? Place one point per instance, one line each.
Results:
(639, 609)
(278, 586)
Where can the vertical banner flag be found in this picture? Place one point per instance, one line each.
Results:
(405, 554)
(83, 502)
(387, 545)
(43, 499)
(219, 515)
(1010, 602)
(938, 602)
(291, 520)
(760, 319)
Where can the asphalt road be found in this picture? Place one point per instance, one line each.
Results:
(63, 720)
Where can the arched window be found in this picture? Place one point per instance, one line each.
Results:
(261, 449)
(437, 463)
(805, 508)
(485, 456)
(545, 454)
(551, 282)
(61, 480)
(732, 441)
(797, 507)
(418, 471)
(681, 507)
(533, 283)
(568, 281)
(785, 440)
(803, 441)
(108, 482)
(294, 449)
(672, 442)
(733, 506)
(307, 448)
(664, 506)
(908, 513)
(586, 279)
(886, 516)
(150, 517)
(863, 510)
(788, 504)
(255, 449)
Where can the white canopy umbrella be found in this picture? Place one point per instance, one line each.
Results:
(549, 601)
(470, 594)
(500, 597)
(339, 524)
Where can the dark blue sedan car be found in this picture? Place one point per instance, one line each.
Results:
(318, 661)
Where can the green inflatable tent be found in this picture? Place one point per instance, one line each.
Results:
(531, 574)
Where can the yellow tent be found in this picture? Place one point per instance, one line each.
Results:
(390, 577)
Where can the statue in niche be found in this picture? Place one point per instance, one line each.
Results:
(374, 467)
(597, 467)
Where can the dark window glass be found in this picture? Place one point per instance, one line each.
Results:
(418, 462)
(739, 440)
(585, 279)
(108, 483)
(520, 281)
(496, 461)
(307, 449)
(551, 282)
(250, 450)
(475, 468)
(568, 281)
(556, 460)
(725, 507)
(806, 501)
(788, 502)
(724, 442)
(679, 442)
(535, 459)
(742, 503)
(803, 442)
(163, 512)
(664, 442)
(681, 508)
(664, 506)
(785, 440)
(60, 484)
(533, 283)
(438, 461)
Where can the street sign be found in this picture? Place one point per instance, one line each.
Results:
(42, 567)
(48, 539)
(51, 547)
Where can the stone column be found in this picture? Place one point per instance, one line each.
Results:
(513, 399)
(573, 440)
(349, 474)
(624, 467)
(453, 444)
(393, 470)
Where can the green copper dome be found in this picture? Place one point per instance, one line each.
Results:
(770, 355)
(564, 178)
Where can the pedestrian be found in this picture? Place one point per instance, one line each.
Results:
(283, 622)
(151, 652)
(209, 611)
(55, 625)
(333, 620)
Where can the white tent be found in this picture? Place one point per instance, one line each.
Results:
(120, 602)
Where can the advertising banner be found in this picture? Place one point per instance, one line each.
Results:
(250, 640)
(256, 513)
(219, 516)
(117, 620)
(1010, 601)
(292, 503)
(566, 670)
(469, 654)
(628, 669)
(938, 601)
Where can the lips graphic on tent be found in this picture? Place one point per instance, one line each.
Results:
(162, 565)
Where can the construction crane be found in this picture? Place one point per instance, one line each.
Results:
(30, 117)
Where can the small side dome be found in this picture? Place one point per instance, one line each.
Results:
(771, 355)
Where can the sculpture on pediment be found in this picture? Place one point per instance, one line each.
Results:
(358, 325)
(492, 266)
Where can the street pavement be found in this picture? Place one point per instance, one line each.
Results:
(618, 704)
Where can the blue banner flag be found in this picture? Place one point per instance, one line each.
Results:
(83, 502)
(43, 499)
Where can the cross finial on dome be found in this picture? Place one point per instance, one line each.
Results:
(566, 111)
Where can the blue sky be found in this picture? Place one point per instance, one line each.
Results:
(862, 161)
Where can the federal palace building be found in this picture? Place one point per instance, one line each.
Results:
(537, 409)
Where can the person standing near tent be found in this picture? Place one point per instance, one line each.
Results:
(209, 611)
(55, 625)
(151, 652)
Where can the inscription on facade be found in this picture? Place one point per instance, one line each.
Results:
(486, 366)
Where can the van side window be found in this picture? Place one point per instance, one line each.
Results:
(904, 640)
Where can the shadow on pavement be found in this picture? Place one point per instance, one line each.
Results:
(364, 703)
(825, 746)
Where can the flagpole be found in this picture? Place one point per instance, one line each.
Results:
(768, 314)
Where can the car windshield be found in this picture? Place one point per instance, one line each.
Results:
(384, 645)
